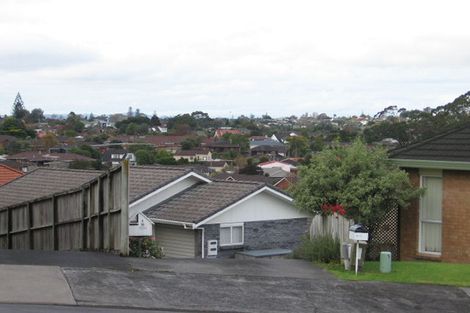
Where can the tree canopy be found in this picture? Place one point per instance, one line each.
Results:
(360, 180)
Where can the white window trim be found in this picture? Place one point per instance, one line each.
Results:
(231, 225)
(435, 174)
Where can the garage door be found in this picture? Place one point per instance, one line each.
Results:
(176, 241)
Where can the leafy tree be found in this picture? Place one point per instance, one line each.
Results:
(86, 150)
(49, 140)
(238, 139)
(131, 129)
(36, 116)
(155, 121)
(361, 180)
(298, 145)
(15, 127)
(74, 122)
(190, 143)
(164, 157)
(251, 168)
(144, 157)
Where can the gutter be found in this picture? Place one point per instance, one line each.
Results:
(444, 165)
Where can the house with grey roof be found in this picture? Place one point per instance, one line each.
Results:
(193, 216)
(436, 226)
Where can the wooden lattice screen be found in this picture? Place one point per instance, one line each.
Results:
(385, 236)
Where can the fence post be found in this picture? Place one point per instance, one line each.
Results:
(100, 215)
(29, 221)
(55, 237)
(124, 246)
(9, 245)
(83, 229)
(110, 207)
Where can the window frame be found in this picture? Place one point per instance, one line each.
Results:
(420, 217)
(231, 226)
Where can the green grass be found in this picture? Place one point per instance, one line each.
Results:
(413, 272)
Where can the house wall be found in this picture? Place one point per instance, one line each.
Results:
(262, 207)
(455, 218)
(285, 233)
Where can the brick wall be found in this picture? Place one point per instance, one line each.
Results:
(456, 217)
(455, 220)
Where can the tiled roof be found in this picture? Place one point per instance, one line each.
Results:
(8, 174)
(43, 182)
(244, 177)
(35, 156)
(146, 179)
(197, 203)
(450, 146)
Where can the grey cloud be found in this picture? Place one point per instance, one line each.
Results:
(45, 57)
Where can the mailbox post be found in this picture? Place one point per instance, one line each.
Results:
(358, 232)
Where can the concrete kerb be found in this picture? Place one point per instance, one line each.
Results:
(34, 284)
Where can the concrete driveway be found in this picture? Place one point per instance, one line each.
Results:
(240, 286)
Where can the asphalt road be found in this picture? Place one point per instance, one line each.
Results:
(225, 286)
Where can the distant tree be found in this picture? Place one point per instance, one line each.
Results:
(251, 168)
(19, 111)
(298, 146)
(130, 113)
(36, 116)
(91, 117)
(164, 157)
(131, 129)
(74, 122)
(137, 112)
(144, 157)
(190, 143)
(49, 140)
(238, 139)
(15, 127)
(86, 150)
(155, 121)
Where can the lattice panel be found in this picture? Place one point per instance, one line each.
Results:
(385, 236)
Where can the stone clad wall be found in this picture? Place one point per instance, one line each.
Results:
(285, 234)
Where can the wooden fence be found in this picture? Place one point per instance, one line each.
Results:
(93, 216)
(338, 227)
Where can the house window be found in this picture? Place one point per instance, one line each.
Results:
(134, 220)
(431, 215)
(231, 234)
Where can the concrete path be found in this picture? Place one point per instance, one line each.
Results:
(35, 308)
(34, 284)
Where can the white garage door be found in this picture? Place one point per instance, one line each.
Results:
(176, 241)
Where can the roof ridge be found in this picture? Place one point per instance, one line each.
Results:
(68, 170)
(421, 143)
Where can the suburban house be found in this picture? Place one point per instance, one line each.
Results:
(39, 159)
(220, 132)
(114, 156)
(436, 226)
(268, 147)
(8, 174)
(217, 165)
(282, 183)
(184, 211)
(194, 155)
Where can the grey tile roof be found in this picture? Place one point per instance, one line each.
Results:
(196, 204)
(244, 177)
(43, 182)
(146, 179)
(450, 146)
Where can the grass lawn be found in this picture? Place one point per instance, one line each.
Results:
(413, 272)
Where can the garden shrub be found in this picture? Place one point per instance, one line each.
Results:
(145, 248)
(321, 248)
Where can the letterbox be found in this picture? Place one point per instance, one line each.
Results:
(358, 232)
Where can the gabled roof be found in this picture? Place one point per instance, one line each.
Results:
(201, 201)
(244, 177)
(35, 156)
(143, 180)
(451, 146)
(43, 182)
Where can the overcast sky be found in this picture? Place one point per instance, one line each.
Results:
(233, 57)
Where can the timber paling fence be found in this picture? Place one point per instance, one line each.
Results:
(93, 216)
(384, 236)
